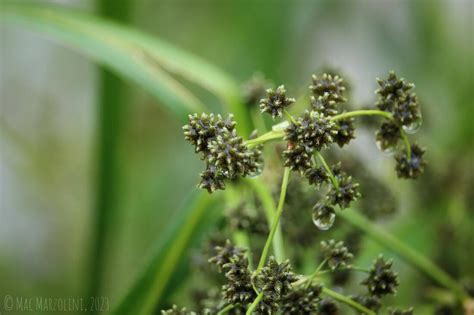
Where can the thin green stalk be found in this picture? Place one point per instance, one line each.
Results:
(328, 169)
(407, 143)
(363, 112)
(410, 255)
(254, 304)
(344, 299)
(226, 309)
(276, 219)
(269, 207)
(315, 273)
(289, 116)
(271, 135)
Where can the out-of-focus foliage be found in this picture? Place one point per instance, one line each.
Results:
(48, 123)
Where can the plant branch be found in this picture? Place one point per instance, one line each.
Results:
(410, 255)
(407, 143)
(328, 169)
(271, 135)
(344, 299)
(363, 112)
(276, 219)
(315, 273)
(269, 207)
(254, 304)
(226, 309)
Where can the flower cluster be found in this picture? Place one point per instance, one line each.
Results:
(396, 97)
(410, 167)
(336, 254)
(233, 263)
(302, 300)
(225, 153)
(275, 102)
(311, 132)
(328, 95)
(274, 280)
(382, 280)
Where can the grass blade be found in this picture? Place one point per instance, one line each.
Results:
(134, 55)
(151, 285)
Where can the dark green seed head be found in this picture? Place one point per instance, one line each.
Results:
(346, 193)
(275, 102)
(316, 176)
(332, 85)
(336, 254)
(345, 131)
(382, 280)
(302, 300)
(413, 167)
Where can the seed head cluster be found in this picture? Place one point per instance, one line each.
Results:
(382, 280)
(413, 166)
(275, 288)
(395, 96)
(275, 102)
(224, 151)
(302, 300)
(311, 132)
(274, 280)
(336, 254)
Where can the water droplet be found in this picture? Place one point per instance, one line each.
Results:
(323, 221)
(389, 150)
(413, 127)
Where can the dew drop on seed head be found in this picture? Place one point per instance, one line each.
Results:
(413, 127)
(390, 150)
(324, 222)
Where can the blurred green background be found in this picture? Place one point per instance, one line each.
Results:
(75, 138)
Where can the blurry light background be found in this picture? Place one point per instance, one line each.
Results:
(50, 100)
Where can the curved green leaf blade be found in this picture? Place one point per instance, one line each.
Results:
(134, 55)
(153, 281)
(110, 49)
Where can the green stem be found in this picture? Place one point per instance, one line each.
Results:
(328, 169)
(289, 116)
(276, 219)
(363, 112)
(410, 255)
(407, 143)
(271, 135)
(254, 304)
(269, 207)
(344, 299)
(226, 309)
(315, 273)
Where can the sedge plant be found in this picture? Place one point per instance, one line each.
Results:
(255, 281)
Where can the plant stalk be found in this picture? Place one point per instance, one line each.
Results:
(362, 112)
(344, 299)
(254, 304)
(276, 219)
(328, 169)
(410, 255)
(226, 309)
(269, 207)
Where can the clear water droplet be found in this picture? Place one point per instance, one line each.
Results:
(390, 150)
(413, 127)
(323, 221)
